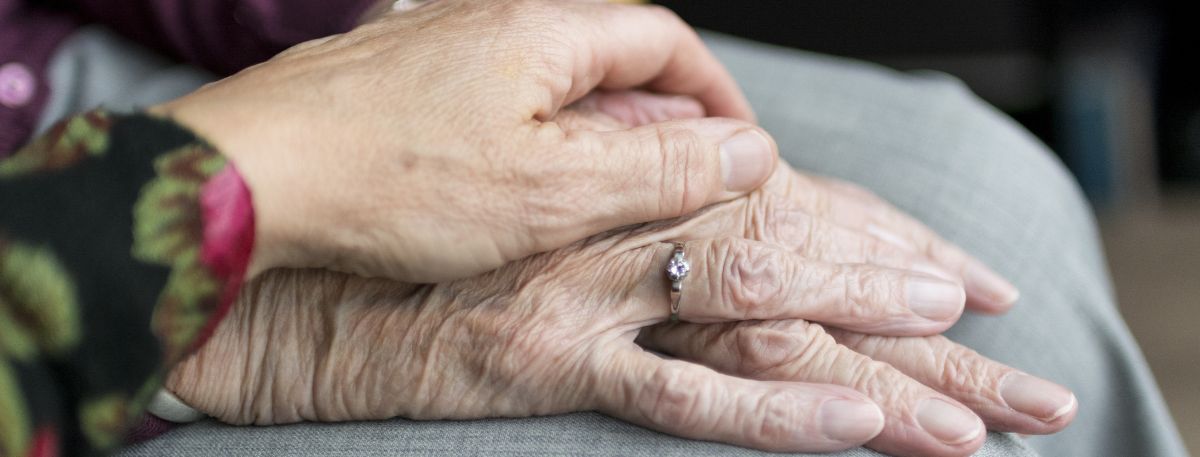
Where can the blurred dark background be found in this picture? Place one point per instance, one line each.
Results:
(1108, 84)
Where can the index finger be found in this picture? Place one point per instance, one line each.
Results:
(623, 46)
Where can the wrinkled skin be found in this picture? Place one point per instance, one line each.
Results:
(555, 332)
(420, 147)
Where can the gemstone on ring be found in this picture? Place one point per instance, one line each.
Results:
(678, 268)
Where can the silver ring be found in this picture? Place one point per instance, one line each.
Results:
(677, 270)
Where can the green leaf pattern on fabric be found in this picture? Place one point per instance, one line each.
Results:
(15, 342)
(64, 145)
(103, 420)
(40, 295)
(168, 231)
(41, 307)
(14, 425)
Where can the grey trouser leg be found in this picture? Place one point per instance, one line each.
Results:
(832, 117)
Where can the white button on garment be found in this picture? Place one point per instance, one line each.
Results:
(17, 85)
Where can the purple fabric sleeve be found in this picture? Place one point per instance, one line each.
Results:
(225, 36)
(28, 38)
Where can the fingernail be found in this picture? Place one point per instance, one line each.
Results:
(994, 287)
(1039, 398)
(935, 299)
(948, 423)
(850, 420)
(746, 160)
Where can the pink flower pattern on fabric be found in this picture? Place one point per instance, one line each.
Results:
(228, 213)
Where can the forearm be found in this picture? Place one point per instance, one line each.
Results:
(123, 240)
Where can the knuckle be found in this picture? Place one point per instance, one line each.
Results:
(750, 277)
(685, 171)
(780, 351)
(866, 370)
(674, 397)
(870, 376)
(531, 28)
(868, 291)
(766, 352)
(831, 362)
(877, 379)
(779, 418)
(965, 372)
(773, 218)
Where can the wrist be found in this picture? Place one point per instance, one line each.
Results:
(234, 200)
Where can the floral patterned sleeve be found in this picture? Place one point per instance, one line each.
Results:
(123, 242)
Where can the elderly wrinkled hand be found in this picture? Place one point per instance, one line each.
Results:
(933, 392)
(833, 221)
(549, 334)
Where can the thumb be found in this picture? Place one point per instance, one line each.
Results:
(670, 169)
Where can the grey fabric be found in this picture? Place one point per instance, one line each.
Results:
(97, 68)
(922, 141)
(580, 434)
